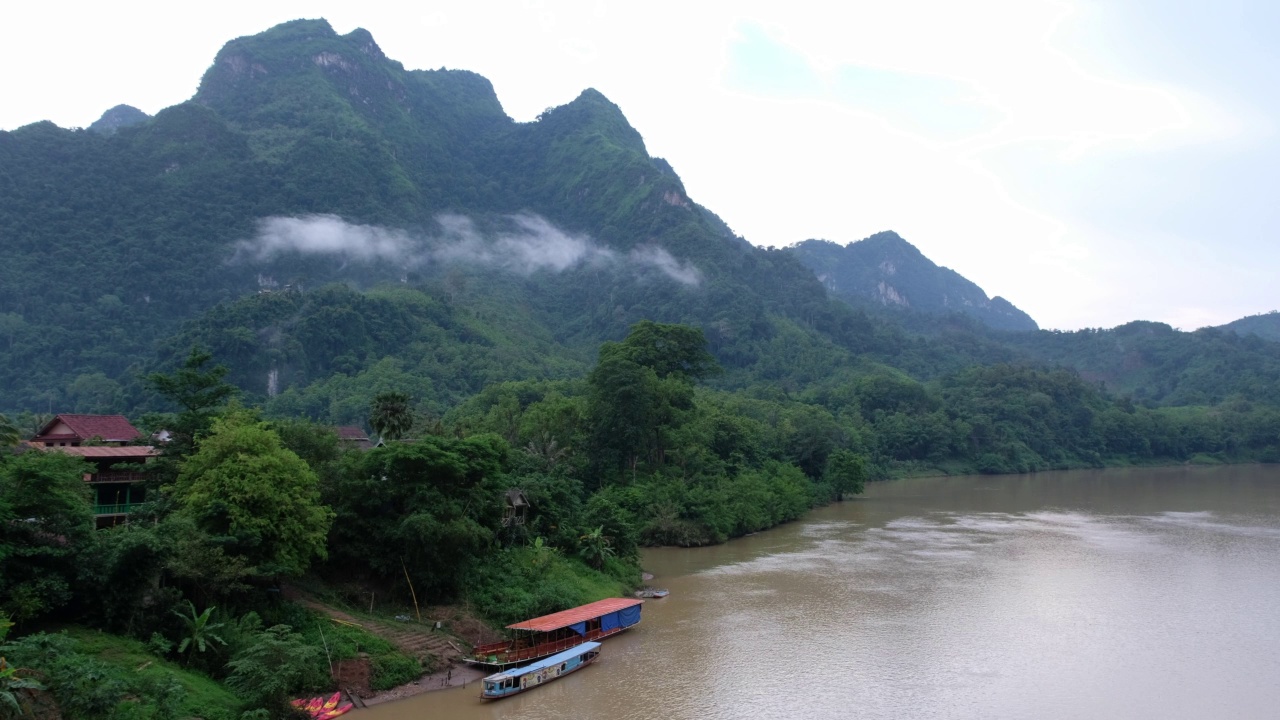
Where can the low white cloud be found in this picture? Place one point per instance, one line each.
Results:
(527, 244)
(325, 235)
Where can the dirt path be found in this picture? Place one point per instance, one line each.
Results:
(435, 648)
(416, 641)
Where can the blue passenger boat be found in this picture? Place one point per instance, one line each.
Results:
(517, 680)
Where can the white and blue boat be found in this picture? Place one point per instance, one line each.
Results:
(517, 680)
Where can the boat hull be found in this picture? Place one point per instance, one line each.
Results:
(522, 679)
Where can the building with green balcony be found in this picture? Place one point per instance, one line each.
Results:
(117, 480)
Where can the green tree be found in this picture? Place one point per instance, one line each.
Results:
(641, 390)
(391, 414)
(10, 435)
(434, 505)
(275, 663)
(196, 389)
(595, 547)
(198, 632)
(259, 499)
(846, 472)
(46, 523)
(623, 408)
(94, 393)
(670, 350)
(199, 390)
(30, 423)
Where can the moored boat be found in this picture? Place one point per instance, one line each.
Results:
(652, 593)
(517, 680)
(557, 632)
(318, 708)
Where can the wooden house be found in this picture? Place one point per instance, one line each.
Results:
(117, 486)
(116, 481)
(352, 437)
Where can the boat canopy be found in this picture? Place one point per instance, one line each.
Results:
(613, 613)
(544, 662)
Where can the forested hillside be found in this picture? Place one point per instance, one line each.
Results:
(1265, 326)
(499, 250)
(886, 270)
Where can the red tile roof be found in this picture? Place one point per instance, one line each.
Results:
(351, 432)
(111, 428)
(582, 613)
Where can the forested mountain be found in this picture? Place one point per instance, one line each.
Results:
(1158, 365)
(331, 225)
(889, 271)
(307, 158)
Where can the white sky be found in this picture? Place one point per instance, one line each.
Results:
(1092, 162)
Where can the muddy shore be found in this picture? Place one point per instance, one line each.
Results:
(456, 676)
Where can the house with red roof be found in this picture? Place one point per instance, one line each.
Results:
(116, 481)
(76, 430)
(350, 436)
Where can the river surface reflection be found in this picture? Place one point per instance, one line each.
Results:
(1149, 593)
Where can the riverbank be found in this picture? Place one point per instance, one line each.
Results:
(450, 677)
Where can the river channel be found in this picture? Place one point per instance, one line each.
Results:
(1151, 593)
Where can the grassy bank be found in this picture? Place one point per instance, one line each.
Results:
(95, 675)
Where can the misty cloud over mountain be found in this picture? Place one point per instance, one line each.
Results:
(528, 244)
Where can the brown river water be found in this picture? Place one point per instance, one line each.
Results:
(1150, 593)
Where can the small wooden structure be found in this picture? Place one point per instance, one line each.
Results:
(515, 507)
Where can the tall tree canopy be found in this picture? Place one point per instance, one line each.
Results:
(428, 508)
(391, 415)
(46, 521)
(260, 499)
(669, 350)
(642, 391)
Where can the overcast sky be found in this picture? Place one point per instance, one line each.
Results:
(1092, 162)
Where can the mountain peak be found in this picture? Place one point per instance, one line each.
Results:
(367, 44)
(249, 70)
(592, 112)
(118, 117)
(887, 270)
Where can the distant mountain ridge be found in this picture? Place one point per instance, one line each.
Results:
(887, 270)
(1264, 325)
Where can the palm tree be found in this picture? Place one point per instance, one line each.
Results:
(545, 448)
(595, 547)
(391, 415)
(200, 632)
(10, 435)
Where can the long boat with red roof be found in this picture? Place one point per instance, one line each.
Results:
(557, 632)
